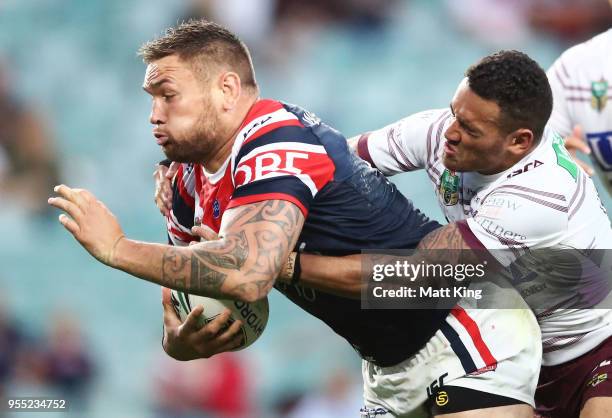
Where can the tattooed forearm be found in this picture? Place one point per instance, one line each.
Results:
(446, 245)
(254, 243)
(259, 287)
(448, 238)
(175, 268)
(230, 252)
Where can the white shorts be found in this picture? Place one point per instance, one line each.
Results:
(498, 351)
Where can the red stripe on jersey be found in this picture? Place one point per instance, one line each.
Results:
(260, 108)
(267, 196)
(182, 190)
(472, 328)
(271, 127)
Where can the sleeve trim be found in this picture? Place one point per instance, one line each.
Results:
(267, 196)
(363, 151)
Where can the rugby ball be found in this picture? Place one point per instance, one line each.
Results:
(254, 316)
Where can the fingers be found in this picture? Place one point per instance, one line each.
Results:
(575, 143)
(172, 170)
(166, 295)
(192, 323)
(160, 171)
(67, 206)
(213, 327)
(232, 337)
(586, 167)
(79, 197)
(163, 190)
(205, 232)
(225, 338)
(69, 224)
(171, 318)
(577, 131)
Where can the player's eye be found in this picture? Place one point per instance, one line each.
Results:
(168, 96)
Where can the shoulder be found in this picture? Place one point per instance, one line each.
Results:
(581, 56)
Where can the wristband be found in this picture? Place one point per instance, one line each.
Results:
(165, 162)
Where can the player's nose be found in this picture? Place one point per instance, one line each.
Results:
(452, 134)
(156, 117)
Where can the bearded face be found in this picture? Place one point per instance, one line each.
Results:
(187, 126)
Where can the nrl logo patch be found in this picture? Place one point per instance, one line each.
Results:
(599, 94)
(449, 188)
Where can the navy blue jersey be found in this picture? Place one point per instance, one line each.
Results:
(283, 152)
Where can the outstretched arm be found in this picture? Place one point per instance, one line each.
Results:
(342, 276)
(254, 241)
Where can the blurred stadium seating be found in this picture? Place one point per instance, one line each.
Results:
(77, 61)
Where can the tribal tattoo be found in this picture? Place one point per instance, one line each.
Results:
(448, 238)
(255, 241)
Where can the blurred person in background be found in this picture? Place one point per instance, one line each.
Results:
(338, 396)
(219, 388)
(581, 81)
(504, 23)
(69, 362)
(207, 112)
(569, 20)
(12, 341)
(28, 165)
(277, 28)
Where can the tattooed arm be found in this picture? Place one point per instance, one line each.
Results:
(254, 242)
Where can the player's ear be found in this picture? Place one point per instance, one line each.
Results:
(521, 141)
(231, 88)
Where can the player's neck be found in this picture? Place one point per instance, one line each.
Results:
(213, 164)
(509, 162)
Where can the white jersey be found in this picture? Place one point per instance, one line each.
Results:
(581, 81)
(544, 200)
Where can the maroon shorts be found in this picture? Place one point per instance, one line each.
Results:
(564, 389)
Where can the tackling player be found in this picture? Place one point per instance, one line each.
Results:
(508, 178)
(267, 176)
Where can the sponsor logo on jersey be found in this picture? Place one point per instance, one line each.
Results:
(435, 385)
(601, 145)
(310, 119)
(449, 188)
(532, 164)
(599, 94)
(372, 412)
(216, 209)
(597, 379)
(442, 398)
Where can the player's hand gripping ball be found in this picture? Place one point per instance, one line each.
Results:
(254, 316)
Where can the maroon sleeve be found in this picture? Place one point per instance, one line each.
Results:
(362, 149)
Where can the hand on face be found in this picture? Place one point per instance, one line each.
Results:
(89, 221)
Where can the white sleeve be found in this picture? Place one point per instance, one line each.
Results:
(560, 119)
(402, 145)
(515, 218)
